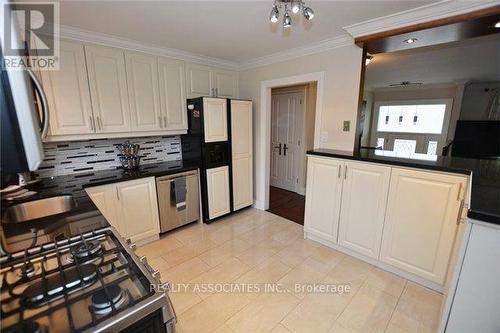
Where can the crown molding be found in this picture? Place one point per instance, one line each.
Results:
(430, 12)
(114, 41)
(313, 48)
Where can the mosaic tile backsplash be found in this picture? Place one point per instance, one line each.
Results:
(63, 158)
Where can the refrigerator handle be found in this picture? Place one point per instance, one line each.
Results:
(45, 104)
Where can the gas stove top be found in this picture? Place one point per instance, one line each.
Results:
(89, 282)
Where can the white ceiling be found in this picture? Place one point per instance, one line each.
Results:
(235, 30)
(474, 59)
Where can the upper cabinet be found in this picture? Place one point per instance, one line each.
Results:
(108, 88)
(67, 92)
(142, 81)
(171, 75)
(102, 92)
(209, 81)
(215, 119)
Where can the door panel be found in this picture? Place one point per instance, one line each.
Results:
(287, 114)
(226, 84)
(139, 208)
(418, 233)
(68, 92)
(199, 80)
(218, 191)
(323, 196)
(142, 81)
(215, 119)
(364, 199)
(172, 93)
(106, 200)
(108, 88)
(242, 153)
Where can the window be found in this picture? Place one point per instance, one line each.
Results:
(422, 118)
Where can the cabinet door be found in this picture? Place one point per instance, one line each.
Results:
(142, 83)
(242, 153)
(138, 208)
(199, 80)
(421, 222)
(218, 191)
(215, 119)
(68, 93)
(226, 84)
(106, 199)
(108, 88)
(364, 199)
(323, 194)
(172, 94)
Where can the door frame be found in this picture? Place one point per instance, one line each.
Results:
(299, 187)
(263, 142)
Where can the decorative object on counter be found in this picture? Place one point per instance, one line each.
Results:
(67, 158)
(130, 158)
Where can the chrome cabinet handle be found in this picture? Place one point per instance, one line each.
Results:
(160, 121)
(345, 172)
(117, 194)
(45, 104)
(340, 171)
(459, 217)
(99, 122)
(284, 149)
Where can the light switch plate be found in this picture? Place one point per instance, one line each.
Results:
(347, 125)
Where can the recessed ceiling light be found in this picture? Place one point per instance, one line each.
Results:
(410, 40)
(497, 25)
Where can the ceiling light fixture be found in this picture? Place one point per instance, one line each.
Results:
(410, 40)
(497, 25)
(295, 6)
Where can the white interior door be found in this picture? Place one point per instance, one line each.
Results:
(287, 114)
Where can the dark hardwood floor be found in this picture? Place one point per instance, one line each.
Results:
(287, 204)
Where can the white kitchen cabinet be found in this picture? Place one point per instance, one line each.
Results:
(242, 153)
(130, 206)
(226, 84)
(215, 119)
(171, 76)
(218, 191)
(364, 198)
(421, 222)
(106, 200)
(323, 197)
(142, 83)
(199, 80)
(210, 81)
(139, 208)
(68, 93)
(108, 88)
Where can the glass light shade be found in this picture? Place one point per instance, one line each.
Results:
(287, 20)
(273, 16)
(308, 13)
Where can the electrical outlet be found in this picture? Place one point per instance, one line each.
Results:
(347, 125)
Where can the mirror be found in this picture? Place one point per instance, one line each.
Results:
(413, 98)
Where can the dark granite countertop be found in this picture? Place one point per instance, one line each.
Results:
(485, 191)
(75, 185)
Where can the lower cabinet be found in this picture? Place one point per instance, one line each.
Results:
(421, 222)
(397, 216)
(364, 198)
(218, 191)
(131, 207)
(323, 195)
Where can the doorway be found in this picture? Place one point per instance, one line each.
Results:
(293, 111)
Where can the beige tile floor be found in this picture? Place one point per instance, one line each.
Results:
(256, 247)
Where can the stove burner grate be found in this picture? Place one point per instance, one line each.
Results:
(86, 249)
(105, 299)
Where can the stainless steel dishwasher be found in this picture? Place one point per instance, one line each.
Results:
(178, 199)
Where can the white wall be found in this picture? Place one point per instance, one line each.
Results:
(342, 69)
(476, 99)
